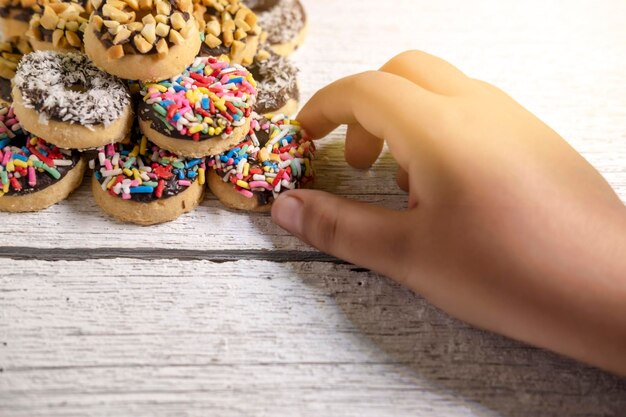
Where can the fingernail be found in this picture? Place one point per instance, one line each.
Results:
(287, 213)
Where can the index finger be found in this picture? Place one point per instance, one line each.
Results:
(405, 115)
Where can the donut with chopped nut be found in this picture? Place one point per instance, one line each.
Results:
(277, 83)
(283, 21)
(11, 53)
(228, 28)
(143, 184)
(202, 111)
(60, 26)
(14, 17)
(144, 40)
(277, 156)
(69, 101)
(34, 174)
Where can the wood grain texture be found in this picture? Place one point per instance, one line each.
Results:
(223, 314)
(129, 337)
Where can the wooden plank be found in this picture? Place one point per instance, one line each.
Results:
(161, 337)
(562, 64)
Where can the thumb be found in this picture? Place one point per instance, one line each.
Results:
(365, 235)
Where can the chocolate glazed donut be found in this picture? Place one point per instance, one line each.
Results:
(284, 22)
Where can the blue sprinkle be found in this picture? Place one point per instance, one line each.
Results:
(192, 162)
(4, 143)
(142, 189)
(176, 117)
(224, 158)
(235, 80)
(178, 88)
(20, 157)
(191, 174)
(181, 174)
(205, 103)
(167, 103)
(98, 175)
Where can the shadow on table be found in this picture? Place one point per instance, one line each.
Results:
(477, 368)
(483, 369)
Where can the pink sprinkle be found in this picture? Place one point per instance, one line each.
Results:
(110, 150)
(32, 179)
(239, 176)
(6, 158)
(134, 183)
(285, 156)
(107, 165)
(125, 196)
(184, 183)
(246, 193)
(260, 184)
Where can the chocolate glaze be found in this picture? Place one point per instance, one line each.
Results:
(171, 185)
(147, 113)
(5, 90)
(217, 51)
(44, 180)
(261, 5)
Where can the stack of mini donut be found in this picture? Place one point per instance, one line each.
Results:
(167, 96)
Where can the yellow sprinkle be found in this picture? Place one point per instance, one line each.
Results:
(137, 175)
(128, 172)
(30, 163)
(5, 188)
(33, 140)
(143, 146)
(269, 180)
(201, 177)
(159, 87)
(1, 193)
(294, 122)
(212, 131)
(208, 121)
(274, 157)
(195, 129)
(246, 169)
(20, 163)
(110, 183)
(135, 151)
(203, 90)
(243, 184)
(218, 131)
(267, 169)
(263, 155)
(10, 166)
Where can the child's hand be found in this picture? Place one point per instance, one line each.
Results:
(508, 227)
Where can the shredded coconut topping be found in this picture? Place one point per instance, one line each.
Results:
(283, 22)
(277, 82)
(70, 88)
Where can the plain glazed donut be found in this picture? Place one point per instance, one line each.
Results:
(66, 99)
(145, 40)
(203, 111)
(277, 156)
(34, 174)
(143, 184)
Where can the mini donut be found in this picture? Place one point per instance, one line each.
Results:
(143, 184)
(48, 100)
(228, 28)
(11, 53)
(34, 174)
(284, 21)
(277, 84)
(145, 40)
(203, 111)
(60, 26)
(277, 156)
(14, 17)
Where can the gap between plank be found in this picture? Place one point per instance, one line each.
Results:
(219, 256)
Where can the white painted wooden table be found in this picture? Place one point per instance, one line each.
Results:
(223, 314)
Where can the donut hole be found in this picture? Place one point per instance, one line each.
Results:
(78, 88)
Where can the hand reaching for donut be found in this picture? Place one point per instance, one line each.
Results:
(507, 227)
